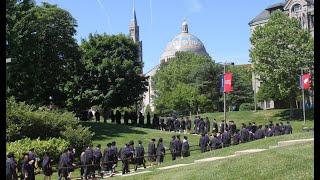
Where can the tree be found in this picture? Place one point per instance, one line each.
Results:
(280, 49)
(188, 82)
(242, 85)
(111, 73)
(46, 53)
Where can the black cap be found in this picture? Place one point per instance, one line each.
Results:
(153, 139)
(140, 142)
(10, 155)
(131, 142)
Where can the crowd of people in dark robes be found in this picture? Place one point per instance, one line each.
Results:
(95, 161)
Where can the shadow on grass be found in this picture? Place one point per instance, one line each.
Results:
(102, 130)
(297, 115)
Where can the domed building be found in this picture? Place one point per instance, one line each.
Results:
(185, 42)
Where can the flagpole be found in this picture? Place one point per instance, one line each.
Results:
(303, 106)
(224, 99)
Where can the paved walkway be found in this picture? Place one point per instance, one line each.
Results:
(237, 153)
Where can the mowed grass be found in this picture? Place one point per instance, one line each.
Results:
(195, 155)
(107, 132)
(259, 144)
(292, 162)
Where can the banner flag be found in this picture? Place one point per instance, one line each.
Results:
(221, 77)
(305, 81)
(227, 82)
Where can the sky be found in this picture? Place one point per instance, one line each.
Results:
(221, 25)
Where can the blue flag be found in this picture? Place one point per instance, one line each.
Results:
(221, 82)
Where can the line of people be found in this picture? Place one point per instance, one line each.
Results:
(228, 134)
(96, 160)
(92, 161)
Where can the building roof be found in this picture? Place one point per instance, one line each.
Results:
(265, 14)
(275, 6)
(150, 72)
(184, 41)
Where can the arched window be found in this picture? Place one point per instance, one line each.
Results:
(296, 8)
(296, 11)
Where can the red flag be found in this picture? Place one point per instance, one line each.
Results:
(306, 81)
(227, 82)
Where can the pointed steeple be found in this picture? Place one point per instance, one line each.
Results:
(134, 32)
(134, 15)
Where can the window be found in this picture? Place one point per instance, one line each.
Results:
(311, 21)
(296, 8)
(267, 104)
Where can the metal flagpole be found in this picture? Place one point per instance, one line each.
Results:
(224, 99)
(302, 89)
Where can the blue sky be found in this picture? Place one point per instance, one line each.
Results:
(221, 25)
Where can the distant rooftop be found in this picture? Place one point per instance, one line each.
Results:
(265, 14)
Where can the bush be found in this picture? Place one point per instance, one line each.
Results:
(54, 146)
(78, 137)
(246, 107)
(25, 121)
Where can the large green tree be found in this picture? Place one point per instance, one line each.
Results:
(188, 82)
(110, 74)
(280, 49)
(41, 41)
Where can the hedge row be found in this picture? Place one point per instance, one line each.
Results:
(54, 146)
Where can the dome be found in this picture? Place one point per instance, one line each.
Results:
(183, 42)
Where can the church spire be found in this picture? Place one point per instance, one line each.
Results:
(134, 15)
(134, 32)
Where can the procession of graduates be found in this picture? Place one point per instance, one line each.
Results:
(95, 161)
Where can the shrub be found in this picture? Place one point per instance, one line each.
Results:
(25, 121)
(78, 137)
(54, 146)
(246, 107)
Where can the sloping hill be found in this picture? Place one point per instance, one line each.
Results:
(288, 162)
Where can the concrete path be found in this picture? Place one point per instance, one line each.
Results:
(173, 166)
(213, 159)
(142, 172)
(293, 142)
(248, 151)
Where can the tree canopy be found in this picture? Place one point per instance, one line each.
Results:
(280, 49)
(111, 73)
(188, 82)
(41, 41)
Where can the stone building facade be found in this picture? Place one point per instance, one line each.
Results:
(303, 10)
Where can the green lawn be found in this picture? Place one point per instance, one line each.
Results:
(292, 162)
(107, 132)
